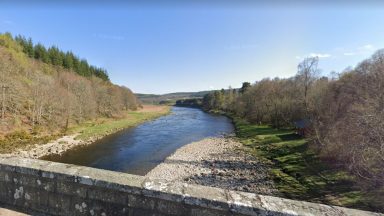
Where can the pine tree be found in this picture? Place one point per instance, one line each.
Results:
(41, 53)
(68, 60)
(55, 56)
(29, 48)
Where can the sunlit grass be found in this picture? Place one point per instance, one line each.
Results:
(297, 171)
(102, 127)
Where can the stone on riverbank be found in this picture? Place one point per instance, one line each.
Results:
(217, 162)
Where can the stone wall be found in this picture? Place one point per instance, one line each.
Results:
(49, 188)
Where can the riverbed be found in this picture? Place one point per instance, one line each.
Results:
(138, 150)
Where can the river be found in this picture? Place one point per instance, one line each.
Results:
(139, 149)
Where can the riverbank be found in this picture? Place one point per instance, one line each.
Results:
(264, 160)
(88, 132)
(299, 173)
(217, 162)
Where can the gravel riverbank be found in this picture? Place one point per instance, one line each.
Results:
(217, 162)
(58, 146)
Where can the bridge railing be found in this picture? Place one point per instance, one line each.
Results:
(49, 188)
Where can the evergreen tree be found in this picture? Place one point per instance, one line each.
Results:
(29, 48)
(27, 45)
(41, 53)
(54, 56)
(245, 87)
(68, 60)
(84, 68)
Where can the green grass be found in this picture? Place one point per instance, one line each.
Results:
(297, 171)
(103, 127)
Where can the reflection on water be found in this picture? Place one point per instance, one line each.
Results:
(138, 150)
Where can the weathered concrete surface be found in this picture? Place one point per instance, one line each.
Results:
(61, 189)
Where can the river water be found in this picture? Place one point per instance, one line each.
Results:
(138, 150)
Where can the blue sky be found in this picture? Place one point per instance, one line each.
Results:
(153, 48)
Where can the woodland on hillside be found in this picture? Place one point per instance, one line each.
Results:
(44, 91)
(54, 56)
(346, 112)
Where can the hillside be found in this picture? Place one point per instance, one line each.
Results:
(44, 94)
(169, 98)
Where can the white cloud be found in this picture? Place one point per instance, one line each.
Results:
(211, 87)
(362, 50)
(320, 55)
(367, 47)
(312, 55)
(349, 53)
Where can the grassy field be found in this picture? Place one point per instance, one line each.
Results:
(298, 173)
(102, 127)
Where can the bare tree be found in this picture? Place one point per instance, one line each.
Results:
(306, 74)
(4, 80)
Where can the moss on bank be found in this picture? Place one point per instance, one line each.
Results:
(297, 171)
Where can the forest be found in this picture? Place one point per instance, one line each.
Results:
(54, 56)
(345, 112)
(45, 91)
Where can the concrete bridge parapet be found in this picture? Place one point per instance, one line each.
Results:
(49, 188)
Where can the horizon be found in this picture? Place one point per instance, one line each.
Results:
(160, 49)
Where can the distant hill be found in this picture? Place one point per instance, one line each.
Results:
(170, 98)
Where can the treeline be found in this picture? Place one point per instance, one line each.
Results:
(346, 112)
(40, 98)
(190, 102)
(57, 57)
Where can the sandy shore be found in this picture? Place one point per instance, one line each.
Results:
(217, 162)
